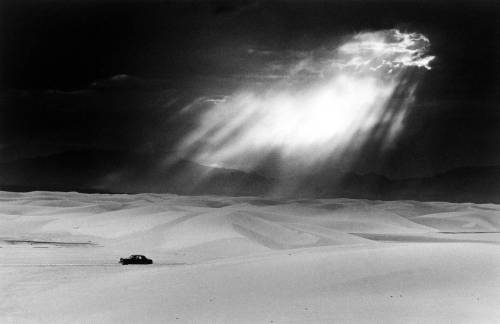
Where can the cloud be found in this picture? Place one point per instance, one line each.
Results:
(388, 49)
(327, 106)
(127, 82)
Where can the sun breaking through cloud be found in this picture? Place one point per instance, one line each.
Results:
(326, 106)
(387, 49)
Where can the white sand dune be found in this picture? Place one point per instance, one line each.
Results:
(467, 221)
(246, 260)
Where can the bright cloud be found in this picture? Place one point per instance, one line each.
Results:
(387, 49)
(347, 97)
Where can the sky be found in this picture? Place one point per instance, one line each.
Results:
(177, 78)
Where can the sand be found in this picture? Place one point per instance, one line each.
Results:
(246, 260)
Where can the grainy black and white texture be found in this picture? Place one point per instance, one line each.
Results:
(94, 96)
(273, 161)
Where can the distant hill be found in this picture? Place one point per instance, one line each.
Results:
(467, 184)
(474, 184)
(121, 172)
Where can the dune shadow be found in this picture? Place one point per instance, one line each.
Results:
(49, 243)
(264, 202)
(401, 238)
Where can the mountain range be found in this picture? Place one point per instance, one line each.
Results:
(123, 172)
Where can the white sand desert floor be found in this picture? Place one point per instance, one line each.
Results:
(246, 260)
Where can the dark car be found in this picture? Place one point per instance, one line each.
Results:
(136, 259)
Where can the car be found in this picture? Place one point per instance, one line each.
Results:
(135, 259)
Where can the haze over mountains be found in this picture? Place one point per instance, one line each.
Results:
(120, 172)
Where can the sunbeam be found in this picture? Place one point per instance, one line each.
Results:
(347, 98)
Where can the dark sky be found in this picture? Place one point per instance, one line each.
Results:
(113, 74)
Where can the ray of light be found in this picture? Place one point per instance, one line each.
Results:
(347, 97)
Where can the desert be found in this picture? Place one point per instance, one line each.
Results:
(246, 260)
